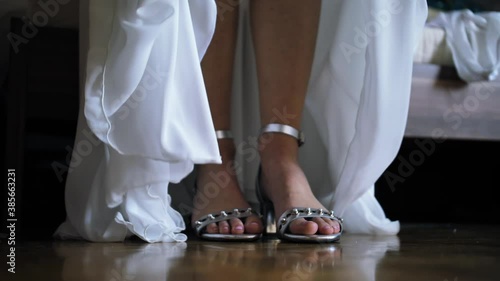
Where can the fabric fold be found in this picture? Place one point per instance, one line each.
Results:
(142, 75)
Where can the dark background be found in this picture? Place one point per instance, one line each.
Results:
(457, 183)
(454, 184)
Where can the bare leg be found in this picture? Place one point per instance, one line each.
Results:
(217, 66)
(284, 34)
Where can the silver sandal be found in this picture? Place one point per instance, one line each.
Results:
(200, 224)
(292, 214)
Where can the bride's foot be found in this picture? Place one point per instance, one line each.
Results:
(218, 190)
(285, 184)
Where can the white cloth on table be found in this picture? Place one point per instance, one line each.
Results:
(145, 101)
(474, 40)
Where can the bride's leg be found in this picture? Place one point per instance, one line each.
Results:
(217, 66)
(284, 35)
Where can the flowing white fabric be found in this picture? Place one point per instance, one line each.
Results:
(145, 102)
(474, 40)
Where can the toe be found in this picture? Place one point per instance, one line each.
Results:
(253, 225)
(335, 225)
(323, 227)
(304, 227)
(224, 227)
(212, 228)
(236, 226)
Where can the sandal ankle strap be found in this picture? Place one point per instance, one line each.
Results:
(221, 134)
(284, 129)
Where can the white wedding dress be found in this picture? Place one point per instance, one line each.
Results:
(145, 120)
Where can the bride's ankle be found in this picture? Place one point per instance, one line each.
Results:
(227, 149)
(277, 148)
(224, 172)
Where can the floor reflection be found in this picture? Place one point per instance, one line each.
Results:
(263, 261)
(420, 252)
(356, 258)
(118, 262)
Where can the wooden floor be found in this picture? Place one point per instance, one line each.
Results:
(420, 252)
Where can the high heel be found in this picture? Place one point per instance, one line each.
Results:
(281, 226)
(200, 225)
(266, 208)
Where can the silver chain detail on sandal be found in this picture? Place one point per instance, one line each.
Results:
(201, 223)
(295, 213)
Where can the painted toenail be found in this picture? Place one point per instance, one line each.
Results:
(238, 227)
